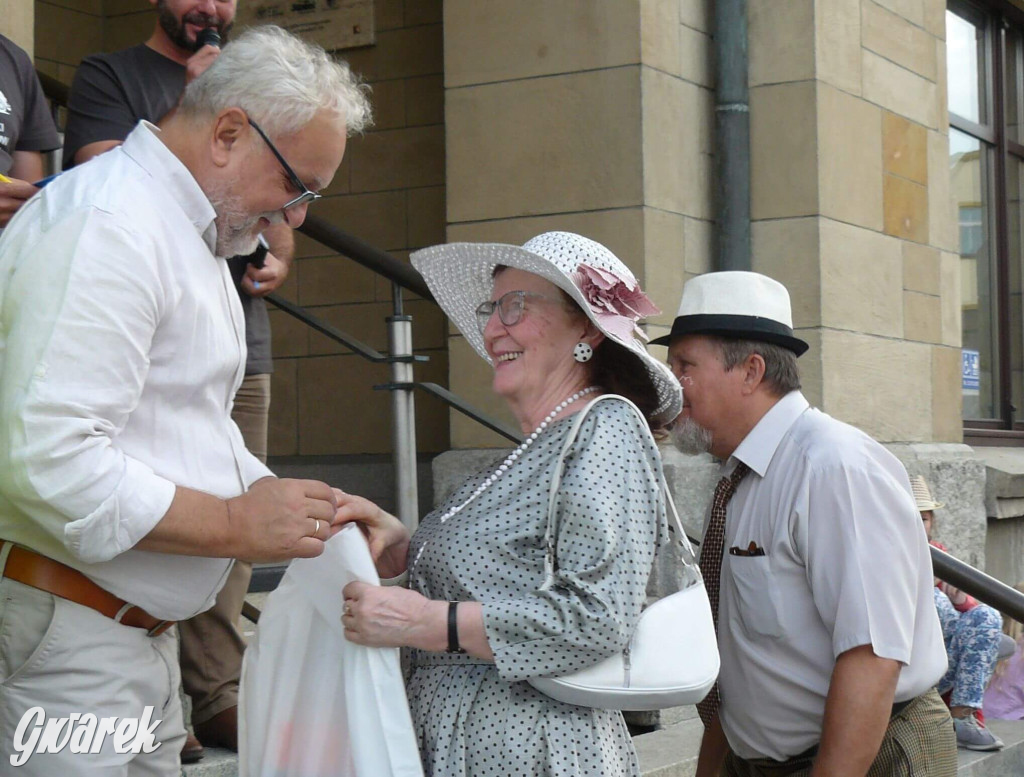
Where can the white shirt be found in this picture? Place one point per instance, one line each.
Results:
(121, 347)
(846, 563)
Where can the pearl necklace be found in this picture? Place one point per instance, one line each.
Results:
(511, 458)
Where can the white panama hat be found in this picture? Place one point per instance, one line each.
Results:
(923, 494)
(460, 276)
(736, 304)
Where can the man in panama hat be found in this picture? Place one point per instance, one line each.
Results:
(817, 569)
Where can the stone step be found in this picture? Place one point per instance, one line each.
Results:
(672, 752)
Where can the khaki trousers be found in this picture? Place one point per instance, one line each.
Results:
(211, 647)
(918, 743)
(69, 660)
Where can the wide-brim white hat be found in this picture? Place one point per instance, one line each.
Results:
(737, 304)
(460, 276)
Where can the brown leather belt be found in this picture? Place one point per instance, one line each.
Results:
(32, 569)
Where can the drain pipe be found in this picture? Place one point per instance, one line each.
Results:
(732, 132)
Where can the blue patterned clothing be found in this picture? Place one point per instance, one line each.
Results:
(972, 642)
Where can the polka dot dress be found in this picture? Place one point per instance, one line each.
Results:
(477, 718)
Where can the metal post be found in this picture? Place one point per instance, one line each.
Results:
(403, 428)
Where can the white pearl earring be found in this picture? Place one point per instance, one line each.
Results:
(582, 352)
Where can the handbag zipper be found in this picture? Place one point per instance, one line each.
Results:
(625, 662)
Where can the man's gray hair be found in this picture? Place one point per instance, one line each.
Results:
(281, 81)
(781, 373)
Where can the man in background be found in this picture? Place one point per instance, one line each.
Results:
(110, 94)
(26, 129)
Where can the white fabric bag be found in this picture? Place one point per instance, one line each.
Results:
(312, 703)
(672, 657)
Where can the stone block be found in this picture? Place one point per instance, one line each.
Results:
(664, 261)
(424, 100)
(811, 366)
(400, 53)
(388, 100)
(935, 18)
(398, 159)
(861, 280)
(330, 386)
(513, 39)
(849, 158)
(342, 183)
(949, 284)
(696, 14)
(330, 280)
(874, 383)
(947, 398)
(696, 62)
(906, 208)
(471, 379)
(904, 148)
(901, 91)
(388, 15)
(121, 32)
(921, 268)
(119, 7)
(691, 479)
(545, 145)
(67, 36)
(788, 251)
(18, 24)
(660, 44)
(423, 12)
(837, 46)
(943, 229)
(621, 231)
(676, 176)
(426, 220)
(366, 323)
(781, 41)
(891, 36)
(699, 242)
(911, 10)
(379, 218)
(93, 7)
(784, 150)
(922, 317)
(289, 336)
(282, 427)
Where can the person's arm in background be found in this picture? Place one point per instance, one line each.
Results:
(27, 167)
(260, 281)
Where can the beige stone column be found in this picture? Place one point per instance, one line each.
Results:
(591, 116)
(851, 205)
(17, 23)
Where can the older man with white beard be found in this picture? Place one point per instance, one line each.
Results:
(816, 565)
(125, 488)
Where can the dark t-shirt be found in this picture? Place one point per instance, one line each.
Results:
(25, 121)
(110, 94)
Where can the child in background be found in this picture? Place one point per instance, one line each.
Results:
(1004, 697)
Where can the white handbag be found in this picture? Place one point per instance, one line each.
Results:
(672, 656)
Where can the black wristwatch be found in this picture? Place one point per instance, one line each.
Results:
(453, 628)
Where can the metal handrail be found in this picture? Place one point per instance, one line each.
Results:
(982, 587)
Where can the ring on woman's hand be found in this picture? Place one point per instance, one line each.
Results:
(316, 531)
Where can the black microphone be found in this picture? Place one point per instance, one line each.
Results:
(208, 36)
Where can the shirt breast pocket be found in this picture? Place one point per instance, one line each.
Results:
(757, 597)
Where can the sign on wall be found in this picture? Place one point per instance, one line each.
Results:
(333, 24)
(970, 373)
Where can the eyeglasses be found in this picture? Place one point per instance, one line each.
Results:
(510, 308)
(306, 194)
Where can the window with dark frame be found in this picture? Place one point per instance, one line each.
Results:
(985, 75)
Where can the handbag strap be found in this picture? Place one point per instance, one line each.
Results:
(556, 480)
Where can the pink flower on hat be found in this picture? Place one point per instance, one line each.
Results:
(617, 303)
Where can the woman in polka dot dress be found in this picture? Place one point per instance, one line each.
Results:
(557, 319)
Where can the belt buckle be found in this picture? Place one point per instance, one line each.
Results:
(159, 628)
